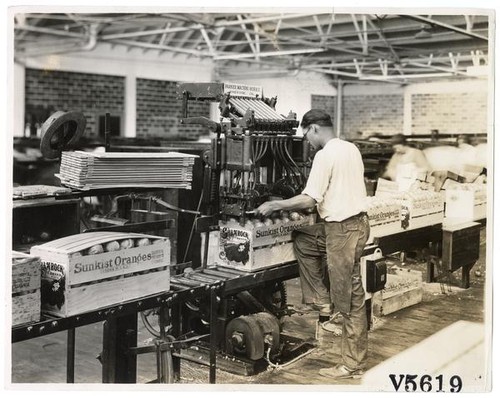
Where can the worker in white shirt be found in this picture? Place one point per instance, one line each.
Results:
(336, 187)
(406, 160)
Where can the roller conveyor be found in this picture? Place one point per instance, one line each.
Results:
(263, 112)
(221, 274)
(186, 281)
(203, 278)
(120, 321)
(265, 118)
(231, 272)
(181, 286)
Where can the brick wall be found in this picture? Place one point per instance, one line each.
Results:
(369, 114)
(159, 111)
(328, 103)
(48, 91)
(450, 113)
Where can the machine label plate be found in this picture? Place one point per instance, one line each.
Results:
(242, 90)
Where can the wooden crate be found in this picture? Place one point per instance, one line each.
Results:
(422, 213)
(384, 219)
(26, 281)
(75, 281)
(251, 249)
(465, 205)
(403, 289)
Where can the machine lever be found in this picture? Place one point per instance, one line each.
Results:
(214, 126)
(172, 207)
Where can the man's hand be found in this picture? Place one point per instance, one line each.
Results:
(267, 208)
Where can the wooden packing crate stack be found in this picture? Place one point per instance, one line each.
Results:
(84, 272)
(25, 288)
(384, 215)
(88, 170)
(251, 248)
(421, 208)
(391, 212)
(404, 288)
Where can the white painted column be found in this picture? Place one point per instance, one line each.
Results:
(18, 102)
(339, 115)
(130, 105)
(407, 112)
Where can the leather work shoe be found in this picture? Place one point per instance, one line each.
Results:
(340, 371)
(332, 327)
(334, 324)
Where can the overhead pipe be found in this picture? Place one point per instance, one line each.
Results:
(92, 38)
(88, 46)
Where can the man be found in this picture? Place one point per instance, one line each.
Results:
(336, 187)
(405, 159)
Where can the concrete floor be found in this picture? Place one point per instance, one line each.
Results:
(42, 360)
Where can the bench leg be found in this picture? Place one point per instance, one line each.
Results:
(466, 276)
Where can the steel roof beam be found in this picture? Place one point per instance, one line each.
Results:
(153, 46)
(438, 68)
(257, 42)
(331, 72)
(264, 19)
(211, 48)
(477, 56)
(247, 34)
(469, 22)
(163, 39)
(278, 25)
(48, 31)
(445, 25)
(411, 76)
(236, 56)
(151, 32)
(218, 35)
(362, 34)
(293, 40)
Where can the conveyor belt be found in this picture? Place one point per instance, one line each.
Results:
(229, 281)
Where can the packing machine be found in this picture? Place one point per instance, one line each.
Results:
(255, 154)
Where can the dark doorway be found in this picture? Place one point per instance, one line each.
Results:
(114, 125)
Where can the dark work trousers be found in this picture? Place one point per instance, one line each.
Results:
(342, 243)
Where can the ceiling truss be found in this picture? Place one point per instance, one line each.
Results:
(392, 48)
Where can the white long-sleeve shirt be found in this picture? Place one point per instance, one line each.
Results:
(336, 181)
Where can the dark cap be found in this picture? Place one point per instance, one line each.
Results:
(316, 116)
(398, 139)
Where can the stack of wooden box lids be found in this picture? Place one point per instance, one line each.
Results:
(38, 191)
(87, 170)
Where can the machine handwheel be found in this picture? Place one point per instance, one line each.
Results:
(61, 131)
(244, 337)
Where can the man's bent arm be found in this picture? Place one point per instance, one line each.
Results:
(298, 202)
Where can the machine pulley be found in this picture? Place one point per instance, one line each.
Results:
(61, 131)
